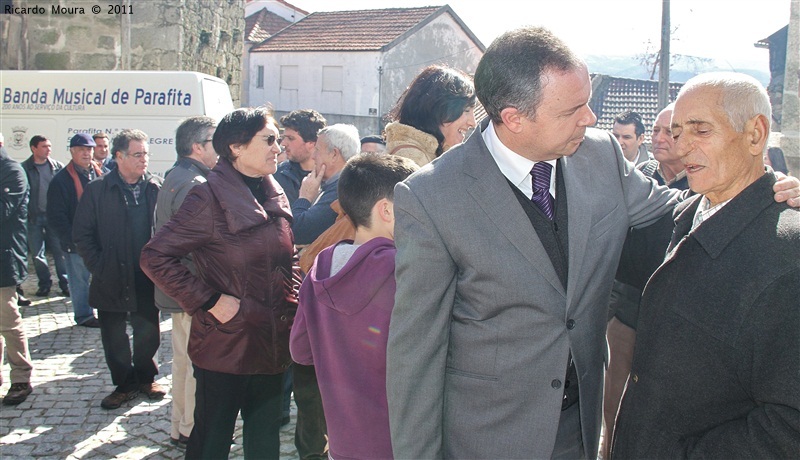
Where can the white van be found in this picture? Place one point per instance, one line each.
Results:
(59, 104)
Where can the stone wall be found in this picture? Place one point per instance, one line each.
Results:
(790, 109)
(192, 35)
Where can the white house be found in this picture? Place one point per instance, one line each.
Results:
(263, 19)
(352, 66)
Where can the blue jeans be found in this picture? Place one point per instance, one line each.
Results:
(78, 287)
(41, 237)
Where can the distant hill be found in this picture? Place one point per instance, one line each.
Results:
(681, 70)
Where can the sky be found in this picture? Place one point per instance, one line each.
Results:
(720, 29)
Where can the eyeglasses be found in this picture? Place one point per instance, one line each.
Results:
(138, 155)
(272, 138)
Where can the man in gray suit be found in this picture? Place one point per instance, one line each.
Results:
(507, 247)
(497, 339)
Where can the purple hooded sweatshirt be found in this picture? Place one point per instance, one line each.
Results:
(341, 327)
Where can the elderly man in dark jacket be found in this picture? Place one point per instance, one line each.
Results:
(114, 220)
(13, 270)
(63, 195)
(716, 369)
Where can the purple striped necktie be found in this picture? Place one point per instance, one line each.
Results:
(541, 188)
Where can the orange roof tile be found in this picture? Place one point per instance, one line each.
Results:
(362, 30)
(262, 25)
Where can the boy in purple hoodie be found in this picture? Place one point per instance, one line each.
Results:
(346, 301)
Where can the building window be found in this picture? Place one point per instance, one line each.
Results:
(289, 77)
(332, 78)
(260, 76)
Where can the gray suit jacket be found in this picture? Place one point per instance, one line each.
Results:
(179, 180)
(482, 328)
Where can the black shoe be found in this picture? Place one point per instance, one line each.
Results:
(181, 442)
(93, 323)
(17, 393)
(23, 301)
(43, 292)
(115, 399)
(285, 420)
(65, 292)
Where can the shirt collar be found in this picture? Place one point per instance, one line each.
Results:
(514, 166)
(333, 178)
(705, 211)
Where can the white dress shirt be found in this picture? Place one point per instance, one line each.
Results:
(514, 166)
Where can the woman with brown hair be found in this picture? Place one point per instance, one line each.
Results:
(434, 113)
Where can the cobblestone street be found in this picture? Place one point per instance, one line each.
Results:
(63, 419)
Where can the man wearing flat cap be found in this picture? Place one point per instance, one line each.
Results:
(373, 144)
(62, 201)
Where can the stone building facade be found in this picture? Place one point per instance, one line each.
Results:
(191, 35)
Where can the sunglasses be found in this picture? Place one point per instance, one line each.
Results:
(271, 139)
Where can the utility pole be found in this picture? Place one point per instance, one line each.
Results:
(663, 71)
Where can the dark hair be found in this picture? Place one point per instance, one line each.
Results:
(436, 96)
(510, 72)
(367, 178)
(306, 122)
(122, 140)
(36, 139)
(240, 127)
(100, 135)
(192, 131)
(777, 159)
(631, 118)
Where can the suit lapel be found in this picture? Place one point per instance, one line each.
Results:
(579, 216)
(493, 195)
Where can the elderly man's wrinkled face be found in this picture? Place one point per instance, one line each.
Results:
(82, 155)
(719, 161)
(663, 144)
(372, 147)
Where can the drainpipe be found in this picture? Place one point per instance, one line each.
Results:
(380, 109)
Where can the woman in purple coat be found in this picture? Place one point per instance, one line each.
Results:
(243, 297)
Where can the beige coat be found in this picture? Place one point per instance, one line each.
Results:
(410, 143)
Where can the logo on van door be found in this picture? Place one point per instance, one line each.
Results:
(19, 140)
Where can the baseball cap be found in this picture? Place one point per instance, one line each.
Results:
(82, 140)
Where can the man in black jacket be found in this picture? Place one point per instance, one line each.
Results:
(716, 373)
(40, 169)
(63, 195)
(114, 220)
(13, 270)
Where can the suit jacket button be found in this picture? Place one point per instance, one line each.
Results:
(284, 318)
(555, 383)
(570, 324)
(635, 378)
